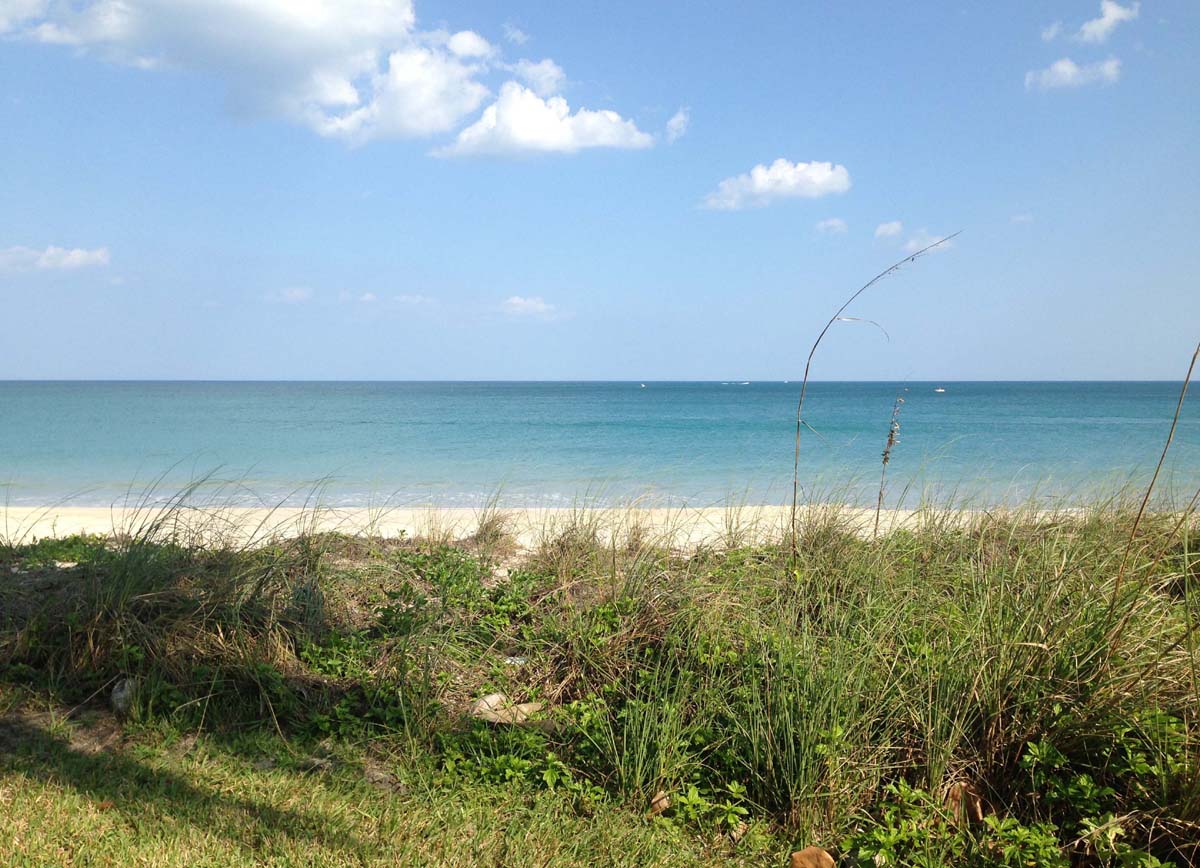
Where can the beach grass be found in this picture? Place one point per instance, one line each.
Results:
(971, 688)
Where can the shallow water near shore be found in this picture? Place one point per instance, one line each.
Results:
(553, 443)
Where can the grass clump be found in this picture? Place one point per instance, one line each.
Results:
(977, 691)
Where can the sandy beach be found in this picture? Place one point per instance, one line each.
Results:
(680, 526)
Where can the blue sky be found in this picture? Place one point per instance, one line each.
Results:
(380, 190)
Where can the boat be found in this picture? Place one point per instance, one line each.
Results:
(939, 389)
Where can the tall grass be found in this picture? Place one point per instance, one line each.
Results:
(967, 652)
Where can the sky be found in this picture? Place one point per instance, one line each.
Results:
(386, 189)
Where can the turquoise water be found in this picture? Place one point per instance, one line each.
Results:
(555, 443)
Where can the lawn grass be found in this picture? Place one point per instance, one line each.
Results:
(976, 690)
(71, 794)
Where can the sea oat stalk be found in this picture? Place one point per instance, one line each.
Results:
(891, 269)
(1153, 479)
(892, 439)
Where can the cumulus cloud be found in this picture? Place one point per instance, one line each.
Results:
(832, 226)
(304, 60)
(1050, 31)
(51, 258)
(1067, 73)
(545, 77)
(677, 126)
(532, 307)
(763, 185)
(922, 239)
(352, 69)
(468, 43)
(1111, 15)
(520, 120)
(422, 92)
(889, 230)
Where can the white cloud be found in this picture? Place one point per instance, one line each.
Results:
(303, 60)
(889, 230)
(292, 295)
(1111, 14)
(352, 69)
(1050, 31)
(1021, 218)
(922, 239)
(1067, 73)
(422, 91)
(545, 77)
(413, 300)
(832, 226)
(51, 258)
(61, 257)
(468, 43)
(14, 13)
(781, 180)
(515, 34)
(520, 120)
(368, 297)
(678, 124)
(534, 307)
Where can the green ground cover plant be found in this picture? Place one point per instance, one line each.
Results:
(978, 689)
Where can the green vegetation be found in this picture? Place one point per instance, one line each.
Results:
(980, 691)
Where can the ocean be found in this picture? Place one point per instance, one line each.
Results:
(564, 443)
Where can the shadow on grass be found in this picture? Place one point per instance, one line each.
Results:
(135, 789)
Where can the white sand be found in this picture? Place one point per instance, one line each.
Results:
(683, 526)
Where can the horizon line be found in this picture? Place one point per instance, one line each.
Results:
(729, 380)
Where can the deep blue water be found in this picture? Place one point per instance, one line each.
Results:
(556, 443)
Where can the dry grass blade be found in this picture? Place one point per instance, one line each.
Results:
(868, 322)
(891, 269)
